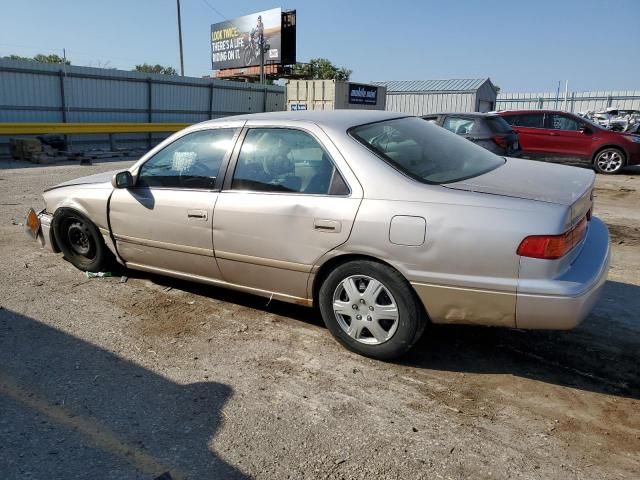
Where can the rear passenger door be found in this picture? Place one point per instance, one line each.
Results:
(288, 198)
(534, 138)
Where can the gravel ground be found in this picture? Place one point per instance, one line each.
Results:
(110, 380)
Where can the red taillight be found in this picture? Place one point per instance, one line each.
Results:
(501, 141)
(552, 246)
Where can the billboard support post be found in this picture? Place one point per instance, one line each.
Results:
(261, 58)
(180, 39)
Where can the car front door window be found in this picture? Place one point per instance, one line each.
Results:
(562, 122)
(192, 161)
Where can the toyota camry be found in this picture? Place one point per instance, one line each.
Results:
(385, 222)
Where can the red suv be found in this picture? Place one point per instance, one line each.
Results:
(563, 136)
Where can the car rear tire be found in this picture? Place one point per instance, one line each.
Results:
(371, 309)
(81, 242)
(609, 161)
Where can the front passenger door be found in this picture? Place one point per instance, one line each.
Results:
(163, 224)
(569, 141)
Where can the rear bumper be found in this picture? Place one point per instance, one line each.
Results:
(564, 302)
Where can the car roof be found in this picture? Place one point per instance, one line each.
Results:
(464, 114)
(500, 112)
(331, 118)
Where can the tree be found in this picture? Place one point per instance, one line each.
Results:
(147, 68)
(52, 58)
(18, 57)
(321, 69)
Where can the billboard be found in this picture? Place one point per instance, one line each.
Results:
(235, 43)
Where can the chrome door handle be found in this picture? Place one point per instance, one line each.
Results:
(324, 225)
(197, 214)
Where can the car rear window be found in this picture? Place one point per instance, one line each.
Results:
(459, 125)
(425, 151)
(498, 125)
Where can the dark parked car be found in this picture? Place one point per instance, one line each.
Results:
(488, 130)
(563, 136)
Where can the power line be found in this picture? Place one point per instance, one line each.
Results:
(214, 9)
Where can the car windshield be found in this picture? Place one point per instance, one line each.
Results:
(424, 151)
(589, 121)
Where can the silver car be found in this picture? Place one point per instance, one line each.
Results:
(385, 222)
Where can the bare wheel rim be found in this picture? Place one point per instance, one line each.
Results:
(609, 161)
(80, 239)
(365, 309)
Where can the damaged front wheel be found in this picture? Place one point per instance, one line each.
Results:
(81, 241)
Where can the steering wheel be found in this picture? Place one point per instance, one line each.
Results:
(198, 169)
(197, 175)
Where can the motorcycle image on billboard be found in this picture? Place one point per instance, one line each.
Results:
(236, 43)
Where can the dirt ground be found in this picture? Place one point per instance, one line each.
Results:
(111, 380)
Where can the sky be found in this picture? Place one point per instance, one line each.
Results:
(522, 46)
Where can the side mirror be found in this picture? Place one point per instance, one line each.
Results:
(122, 180)
(586, 130)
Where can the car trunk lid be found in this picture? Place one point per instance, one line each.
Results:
(538, 181)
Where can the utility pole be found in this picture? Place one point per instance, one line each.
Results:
(180, 40)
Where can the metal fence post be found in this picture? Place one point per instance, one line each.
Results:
(63, 99)
(210, 101)
(63, 104)
(149, 109)
(264, 98)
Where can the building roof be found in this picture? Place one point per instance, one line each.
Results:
(453, 85)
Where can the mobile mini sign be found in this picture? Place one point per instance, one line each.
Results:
(363, 94)
(236, 43)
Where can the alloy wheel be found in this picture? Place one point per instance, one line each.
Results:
(609, 161)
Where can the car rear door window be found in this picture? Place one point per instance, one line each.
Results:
(458, 125)
(562, 122)
(192, 161)
(286, 160)
(529, 120)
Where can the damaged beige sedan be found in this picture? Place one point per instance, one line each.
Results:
(385, 222)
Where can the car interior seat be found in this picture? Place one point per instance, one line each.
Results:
(280, 169)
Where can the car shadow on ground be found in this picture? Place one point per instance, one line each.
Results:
(602, 355)
(69, 409)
